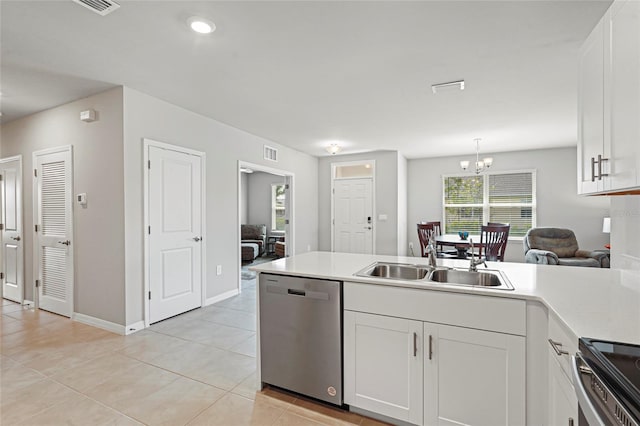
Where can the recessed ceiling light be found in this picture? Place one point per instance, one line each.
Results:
(201, 25)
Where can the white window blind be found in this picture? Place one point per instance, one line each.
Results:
(471, 201)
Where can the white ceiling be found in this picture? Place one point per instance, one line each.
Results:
(304, 73)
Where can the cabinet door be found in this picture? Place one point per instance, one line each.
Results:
(591, 110)
(563, 404)
(383, 365)
(473, 377)
(623, 76)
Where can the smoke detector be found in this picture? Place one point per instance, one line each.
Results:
(101, 7)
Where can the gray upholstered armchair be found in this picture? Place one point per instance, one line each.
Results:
(556, 246)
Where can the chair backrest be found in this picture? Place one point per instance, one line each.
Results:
(561, 241)
(493, 241)
(437, 229)
(425, 231)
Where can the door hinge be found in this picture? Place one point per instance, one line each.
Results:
(35, 172)
(37, 283)
(1, 275)
(286, 186)
(333, 190)
(1, 177)
(36, 227)
(149, 164)
(1, 226)
(149, 230)
(286, 221)
(149, 295)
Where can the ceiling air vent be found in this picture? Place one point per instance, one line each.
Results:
(270, 153)
(101, 7)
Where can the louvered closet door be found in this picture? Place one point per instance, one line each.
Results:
(54, 252)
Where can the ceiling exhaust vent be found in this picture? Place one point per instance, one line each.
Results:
(270, 153)
(101, 7)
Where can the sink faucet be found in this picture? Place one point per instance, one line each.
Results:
(431, 251)
(473, 262)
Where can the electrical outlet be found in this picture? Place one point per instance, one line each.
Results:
(219, 270)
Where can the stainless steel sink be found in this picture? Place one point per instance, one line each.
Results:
(485, 278)
(488, 278)
(399, 271)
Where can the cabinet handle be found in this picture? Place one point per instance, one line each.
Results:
(593, 169)
(600, 160)
(430, 346)
(556, 347)
(415, 344)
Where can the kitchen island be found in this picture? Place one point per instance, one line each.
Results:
(503, 334)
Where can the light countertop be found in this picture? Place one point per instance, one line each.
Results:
(592, 302)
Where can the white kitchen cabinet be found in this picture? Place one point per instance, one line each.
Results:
(473, 377)
(609, 103)
(563, 404)
(383, 365)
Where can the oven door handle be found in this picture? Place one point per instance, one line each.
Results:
(584, 402)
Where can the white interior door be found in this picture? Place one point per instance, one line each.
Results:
(353, 216)
(12, 249)
(175, 232)
(53, 217)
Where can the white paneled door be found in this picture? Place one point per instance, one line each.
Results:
(53, 218)
(175, 231)
(12, 251)
(353, 216)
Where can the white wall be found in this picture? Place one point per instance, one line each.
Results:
(625, 229)
(225, 146)
(558, 204)
(386, 198)
(403, 242)
(98, 171)
(259, 185)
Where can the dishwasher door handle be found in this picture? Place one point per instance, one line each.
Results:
(296, 292)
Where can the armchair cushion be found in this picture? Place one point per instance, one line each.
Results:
(254, 234)
(579, 261)
(556, 246)
(561, 241)
(542, 257)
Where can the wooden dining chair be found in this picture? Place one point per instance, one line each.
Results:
(493, 241)
(425, 231)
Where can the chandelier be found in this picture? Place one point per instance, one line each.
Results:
(480, 165)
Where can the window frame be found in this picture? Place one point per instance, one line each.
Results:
(486, 205)
(274, 208)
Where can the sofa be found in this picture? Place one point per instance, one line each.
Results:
(254, 234)
(558, 246)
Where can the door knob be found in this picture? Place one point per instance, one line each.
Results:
(66, 243)
(16, 238)
(196, 239)
(367, 227)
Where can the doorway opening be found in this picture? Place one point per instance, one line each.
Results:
(266, 219)
(353, 207)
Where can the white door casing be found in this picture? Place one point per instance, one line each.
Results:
(53, 232)
(353, 215)
(174, 193)
(12, 236)
(288, 205)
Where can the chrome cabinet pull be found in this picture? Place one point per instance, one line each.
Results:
(415, 344)
(430, 346)
(593, 169)
(600, 160)
(556, 347)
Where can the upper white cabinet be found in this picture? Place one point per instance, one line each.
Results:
(609, 103)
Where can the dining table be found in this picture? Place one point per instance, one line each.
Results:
(461, 245)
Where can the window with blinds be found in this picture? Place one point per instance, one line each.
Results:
(471, 201)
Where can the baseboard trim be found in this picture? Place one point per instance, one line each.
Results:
(132, 328)
(99, 323)
(221, 297)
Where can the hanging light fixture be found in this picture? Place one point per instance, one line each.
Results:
(480, 165)
(333, 149)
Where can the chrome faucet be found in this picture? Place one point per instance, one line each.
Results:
(431, 251)
(473, 262)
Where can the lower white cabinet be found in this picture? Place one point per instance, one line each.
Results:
(563, 404)
(383, 365)
(433, 374)
(473, 377)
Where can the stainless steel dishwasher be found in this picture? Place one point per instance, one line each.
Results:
(301, 335)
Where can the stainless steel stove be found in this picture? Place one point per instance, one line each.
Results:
(607, 382)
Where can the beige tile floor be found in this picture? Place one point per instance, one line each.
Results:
(197, 369)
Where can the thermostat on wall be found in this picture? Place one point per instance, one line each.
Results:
(88, 116)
